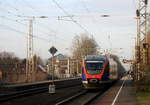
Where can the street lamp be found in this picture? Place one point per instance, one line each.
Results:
(104, 15)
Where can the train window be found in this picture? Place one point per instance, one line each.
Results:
(94, 68)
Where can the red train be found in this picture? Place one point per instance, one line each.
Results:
(98, 70)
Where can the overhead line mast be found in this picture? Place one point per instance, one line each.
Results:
(142, 37)
(144, 14)
(30, 59)
(142, 46)
(30, 62)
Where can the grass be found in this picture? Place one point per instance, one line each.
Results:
(143, 86)
(143, 98)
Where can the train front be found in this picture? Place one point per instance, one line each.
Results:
(95, 70)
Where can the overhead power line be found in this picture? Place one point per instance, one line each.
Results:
(84, 5)
(16, 15)
(42, 32)
(11, 13)
(41, 24)
(65, 12)
(9, 5)
(87, 10)
(10, 19)
(18, 31)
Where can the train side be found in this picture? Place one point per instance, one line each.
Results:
(98, 71)
(113, 70)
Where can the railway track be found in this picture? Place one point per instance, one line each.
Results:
(23, 93)
(85, 97)
(82, 98)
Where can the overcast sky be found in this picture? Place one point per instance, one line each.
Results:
(116, 31)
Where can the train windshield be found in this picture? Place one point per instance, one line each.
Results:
(94, 67)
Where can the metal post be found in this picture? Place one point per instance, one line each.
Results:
(52, 69)
(138, 47)
(77, 66)
(27, 62)
(52, 86)
(30, 66)
(143, 27)
(52, 50)
(30, 59)
(30, 49)
(69, 66)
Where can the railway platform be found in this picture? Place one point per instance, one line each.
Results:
(122, 93)
(9, 88)
(38, 82)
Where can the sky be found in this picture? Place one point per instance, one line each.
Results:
(115, 32)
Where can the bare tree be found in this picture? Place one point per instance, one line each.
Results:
(7, 55)
(38, 60)
(83, 45)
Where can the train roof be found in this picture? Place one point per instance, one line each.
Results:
(112, 62)
(95, 58)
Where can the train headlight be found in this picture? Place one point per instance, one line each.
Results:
(93, 80)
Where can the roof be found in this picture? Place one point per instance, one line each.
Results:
(60, 57)
(95, 58)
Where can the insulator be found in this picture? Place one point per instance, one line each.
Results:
(146, 1)
(137, 13)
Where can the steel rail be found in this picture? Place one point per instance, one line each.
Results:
(9, 96)
(77, 96)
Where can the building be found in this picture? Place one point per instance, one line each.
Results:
(12, 70)
(63, 66)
